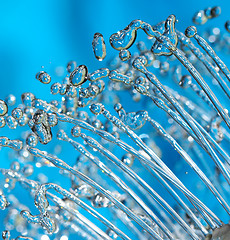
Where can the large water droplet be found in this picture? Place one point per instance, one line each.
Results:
(79, 75)
(99, 47)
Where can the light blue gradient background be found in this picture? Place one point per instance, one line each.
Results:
(49, 33)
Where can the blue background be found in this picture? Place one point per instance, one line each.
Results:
(46, 34)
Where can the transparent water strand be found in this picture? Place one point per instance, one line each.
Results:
(188, 43)
(99, 108)
(16, 145)
(186, 117)
(166, 44)
(62, 136)
(203, 85)
(203, 116)
(61, 164)
(138, 155)
(192, 164)
(164, 107)
(123, 217)
(217, 146)
(158, 161)
(41, 199)
(94, 144)
(196, 151)
(192, 32)
(3, 201)
(93, 229)
(150, 165)
(98, 74)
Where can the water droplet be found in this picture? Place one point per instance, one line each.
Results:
(207, 12)
(55, 88)
(43, 77)
(17, 113)
(3, 202)
(11, 122)
(227, 26)
(99, 47)
(23, 120)
(71, 66)
(2, 122)
(27, 99)
(98, 74)
(185, 81)
(32, 140)
(79, 75)
(61, 135)
(52, 119)
(215, 11)
(200, 18)
(76, 131)
(190, 31)
(27, 170)
(10, 100)
(15, 166)
(96, 108)
(40, 126)
(124, 55)
(128, 159)
(3, 108)
(6, 235)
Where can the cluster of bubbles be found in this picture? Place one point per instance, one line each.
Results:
(108, 191)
